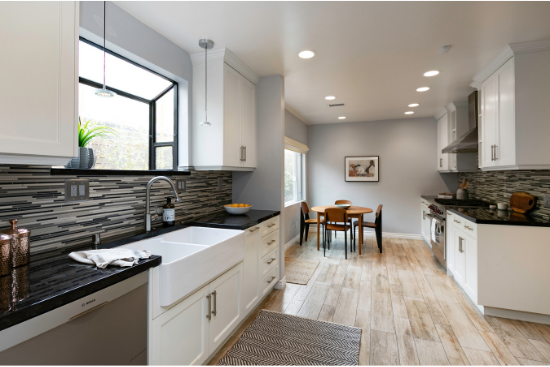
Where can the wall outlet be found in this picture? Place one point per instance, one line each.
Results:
(547, 200)
(77, 189)
(181, 185)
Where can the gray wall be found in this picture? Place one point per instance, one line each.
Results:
(134, 40)
(408, 168)
(263, 187)
(295, 129)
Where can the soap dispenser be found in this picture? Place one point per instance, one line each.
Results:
(168, 214)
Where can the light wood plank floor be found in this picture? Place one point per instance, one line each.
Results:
(410, 311)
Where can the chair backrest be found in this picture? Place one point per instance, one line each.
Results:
(378, 213)
(305, 208)
(337, 215)
(342, 202)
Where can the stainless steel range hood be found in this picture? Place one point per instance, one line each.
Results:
(468, 142)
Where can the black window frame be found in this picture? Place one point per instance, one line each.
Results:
(152, 107)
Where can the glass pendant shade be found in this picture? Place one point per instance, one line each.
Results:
(101, 92)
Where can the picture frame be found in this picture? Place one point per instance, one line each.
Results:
(362, 169)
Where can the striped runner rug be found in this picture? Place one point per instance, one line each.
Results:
(275, 339)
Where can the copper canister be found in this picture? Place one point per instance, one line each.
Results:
(6, 244)
(20, 245)
(20, 283)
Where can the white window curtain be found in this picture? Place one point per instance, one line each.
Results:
(295, 146)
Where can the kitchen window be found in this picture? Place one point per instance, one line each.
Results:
(143, 113)
(294, 177)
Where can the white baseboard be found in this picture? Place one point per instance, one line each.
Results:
(385, 234)
(280, 284)
(292, 241)
(517, 315)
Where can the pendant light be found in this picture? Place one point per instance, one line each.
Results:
(206, 44)
(104, 92)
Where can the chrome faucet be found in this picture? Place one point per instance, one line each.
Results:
(152, 217)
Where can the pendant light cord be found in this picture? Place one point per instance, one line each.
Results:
(206, 81)
(104, 16)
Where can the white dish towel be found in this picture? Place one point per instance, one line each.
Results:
(117, 256)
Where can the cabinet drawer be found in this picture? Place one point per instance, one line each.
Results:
(470, 228)
(269, 281)
(270, 225)
(269, 242)
(269, 261)
(252, 230)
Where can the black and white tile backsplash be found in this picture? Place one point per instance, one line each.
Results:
(116, 207)
(498, 186)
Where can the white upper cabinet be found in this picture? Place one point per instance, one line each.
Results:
(39, 73)
(514, 91)
(442, 142)
(230, 143)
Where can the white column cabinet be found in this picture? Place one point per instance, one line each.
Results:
(39, 73)
(251, 290)
(230, 142)
(513, 126)
(442, 142)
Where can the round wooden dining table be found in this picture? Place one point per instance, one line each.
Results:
(353, 212)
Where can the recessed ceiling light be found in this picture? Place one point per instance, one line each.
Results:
(422, 89)
(414, 105)
(306, 54)
(330, 98)
(342, 118)
(409, 113)
(431, 73)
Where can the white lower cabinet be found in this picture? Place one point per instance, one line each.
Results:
(425, 221)
(251, 268)
(189, 332)
(464, 255)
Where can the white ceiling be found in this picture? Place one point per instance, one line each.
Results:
(370, 55)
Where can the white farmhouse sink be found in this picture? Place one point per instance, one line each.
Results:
(192, 257)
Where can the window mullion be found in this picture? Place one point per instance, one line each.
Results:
(152, 151)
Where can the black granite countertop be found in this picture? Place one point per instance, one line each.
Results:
(53, 280)
(242, 222)
(503, 217)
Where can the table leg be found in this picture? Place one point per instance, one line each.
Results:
(360, 233)
(318, 229)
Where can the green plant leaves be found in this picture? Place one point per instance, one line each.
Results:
(90, 131)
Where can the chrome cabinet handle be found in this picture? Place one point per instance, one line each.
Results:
(241, 153)
(245, 153)
(496, 156)
(254, 229)
(456, 221)
(270, 280)
(493, 152)
(209, 315)
(269, 262)
(214, 298)
(270, 242)
(440, 162)
(460, 245)
(471, 229)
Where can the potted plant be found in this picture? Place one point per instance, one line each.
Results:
(87, 132)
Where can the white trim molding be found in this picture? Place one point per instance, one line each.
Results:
(295, 146)
(509, 52)
(517, 315)
(289, 243)
(280, 284)
(230, 59)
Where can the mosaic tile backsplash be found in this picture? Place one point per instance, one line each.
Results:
(498, 186)
(116, 207)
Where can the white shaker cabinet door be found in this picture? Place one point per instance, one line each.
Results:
(248, 122)
(180, 335)
(459, 256)
(489, 108)
(39, 73)
(227, 310)
(232, 152)
(251, 272)
(505, 151)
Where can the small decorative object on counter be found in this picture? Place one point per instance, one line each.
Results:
(19, 283)
(492, 206)
(502, 206)
(96, 240)
(21, 244)
(522, 202)
(462, 193)
(5, 254)
(237, 209)
(168, 214)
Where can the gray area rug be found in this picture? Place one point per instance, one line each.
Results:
(275, 339)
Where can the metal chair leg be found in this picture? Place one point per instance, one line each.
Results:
(346, 245)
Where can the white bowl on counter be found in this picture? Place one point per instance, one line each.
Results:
(237, 210)
(502, 206)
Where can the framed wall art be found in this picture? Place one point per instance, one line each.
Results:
(362, 169)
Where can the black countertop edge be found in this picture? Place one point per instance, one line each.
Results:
(240, 222)
(114, 172)
(498, 217)
(41, 307)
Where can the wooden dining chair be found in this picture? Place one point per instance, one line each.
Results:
(350, 220)
(377, 225)
(305, 221)
(332, 217)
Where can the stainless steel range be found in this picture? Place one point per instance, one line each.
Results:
(438, 214)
